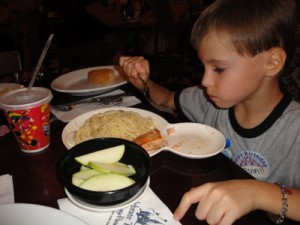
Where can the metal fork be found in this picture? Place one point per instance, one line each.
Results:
(155, 105)
(101, 100)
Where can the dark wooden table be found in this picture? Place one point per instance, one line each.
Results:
(36, 181)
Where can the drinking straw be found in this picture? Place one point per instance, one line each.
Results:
(39, 64)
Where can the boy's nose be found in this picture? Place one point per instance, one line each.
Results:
(207, 80)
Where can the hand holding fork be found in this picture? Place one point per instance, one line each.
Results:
(131, 66)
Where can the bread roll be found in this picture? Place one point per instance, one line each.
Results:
(103, 76)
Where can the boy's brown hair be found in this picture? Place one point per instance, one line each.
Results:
(253, 26)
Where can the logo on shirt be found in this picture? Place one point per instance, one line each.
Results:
(254, 163)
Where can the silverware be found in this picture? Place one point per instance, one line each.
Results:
(101, 100)
(155, 105)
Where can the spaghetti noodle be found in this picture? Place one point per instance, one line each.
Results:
(115, 123)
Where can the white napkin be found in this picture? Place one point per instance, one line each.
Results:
(149, 209)
(6, 189)
(86, 107)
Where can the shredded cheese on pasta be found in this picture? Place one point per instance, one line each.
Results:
(115, 123)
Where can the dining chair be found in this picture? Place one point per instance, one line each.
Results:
(10, 64)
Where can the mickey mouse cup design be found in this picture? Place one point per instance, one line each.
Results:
(28, 116)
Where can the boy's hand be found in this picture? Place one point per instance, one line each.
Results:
(219, 203)
(135, 68)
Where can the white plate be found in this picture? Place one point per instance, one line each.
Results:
(30, 214)
(76, 123)
(96, 208)
(5, 87)
(190, 140)
(76, 82)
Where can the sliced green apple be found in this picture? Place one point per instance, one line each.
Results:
(120, 164)
(106, 182)
(108, 155)
(84, 167)
(86, 174)
(77, 181)
(119, 168)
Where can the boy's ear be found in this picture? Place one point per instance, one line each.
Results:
(275, 61)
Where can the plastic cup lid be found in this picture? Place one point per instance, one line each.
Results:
(23, 99)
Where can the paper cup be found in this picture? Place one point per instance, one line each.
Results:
(28, 115)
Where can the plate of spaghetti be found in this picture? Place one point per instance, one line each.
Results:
(152, 132)
(120, 122)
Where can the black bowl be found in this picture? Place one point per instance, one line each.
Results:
(134, 155)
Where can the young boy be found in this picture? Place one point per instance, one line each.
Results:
(246, 47)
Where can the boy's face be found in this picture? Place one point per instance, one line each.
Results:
(229, 77)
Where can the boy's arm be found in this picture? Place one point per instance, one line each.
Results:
(270, 199)
(224, 202)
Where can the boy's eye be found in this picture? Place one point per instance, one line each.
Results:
(219, 70)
